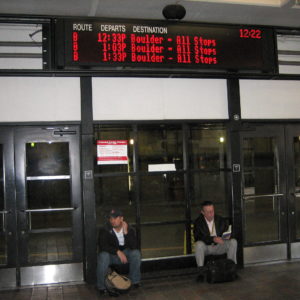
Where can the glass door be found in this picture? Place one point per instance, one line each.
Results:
(40, 202)
(293, 176)
(264, 194)
(48, 204)
(271, 192)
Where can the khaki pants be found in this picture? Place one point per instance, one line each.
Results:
(201, 249)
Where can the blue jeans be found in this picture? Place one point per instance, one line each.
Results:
(106, 259)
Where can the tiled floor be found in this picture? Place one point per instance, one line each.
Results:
(269, 282)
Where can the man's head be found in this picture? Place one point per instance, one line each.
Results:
(208, 210)
(116, 218)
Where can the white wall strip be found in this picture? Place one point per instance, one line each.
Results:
(270, 99)
(29, 99)
(159, 99)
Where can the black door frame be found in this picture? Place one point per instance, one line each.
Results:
(14, 141)
(9, 272)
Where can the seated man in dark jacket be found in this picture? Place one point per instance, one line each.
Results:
(117, 245)
(208, 230)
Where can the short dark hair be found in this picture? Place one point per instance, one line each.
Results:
(206, 203)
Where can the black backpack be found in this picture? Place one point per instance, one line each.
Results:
(221, 270)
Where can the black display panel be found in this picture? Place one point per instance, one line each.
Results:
(160, 45)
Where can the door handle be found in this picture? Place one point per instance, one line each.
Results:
(39, 210)
(28, 212)
(262, 195)
(64, 132)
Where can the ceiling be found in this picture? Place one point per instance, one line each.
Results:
(277, 13)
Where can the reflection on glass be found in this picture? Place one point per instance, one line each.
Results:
(297, 184)
(1, 180)
(47, 159)
(48, 194)
(297, 179)
(49, 247)
(162, 198)
(260, 166)
(297, 163)
(297, 217)
(117, 191)
(103, 132)
(160, 144)
(297, 151)
(208, 148)
(45, 220)
(261, 219)
(3, 252)
(162, 240)
(209, 186)
(261, 177)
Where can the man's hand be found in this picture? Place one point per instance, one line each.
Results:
(122, 257)
(125, 227)
(218, 240)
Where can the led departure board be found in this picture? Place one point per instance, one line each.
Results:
(129, 44)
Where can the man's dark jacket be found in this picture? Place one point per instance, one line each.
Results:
(108, 241)
(201, 230)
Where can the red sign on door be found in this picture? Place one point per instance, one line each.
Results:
(112, 152)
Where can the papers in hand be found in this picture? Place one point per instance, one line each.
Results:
(226, 235)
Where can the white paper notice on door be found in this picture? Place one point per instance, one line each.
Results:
(112, 152)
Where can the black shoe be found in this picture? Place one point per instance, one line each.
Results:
(136, 285)
(112, 293)
(201, 274)
(102, 292)
(200, 278)
(202, 270)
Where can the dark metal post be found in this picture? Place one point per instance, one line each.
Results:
(185, 137)
(234, 111)
(87, 175)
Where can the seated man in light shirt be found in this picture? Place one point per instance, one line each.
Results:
(208, 231)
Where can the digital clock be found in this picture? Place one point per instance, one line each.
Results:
(108, 44)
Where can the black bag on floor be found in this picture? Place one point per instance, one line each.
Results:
(221, 270)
